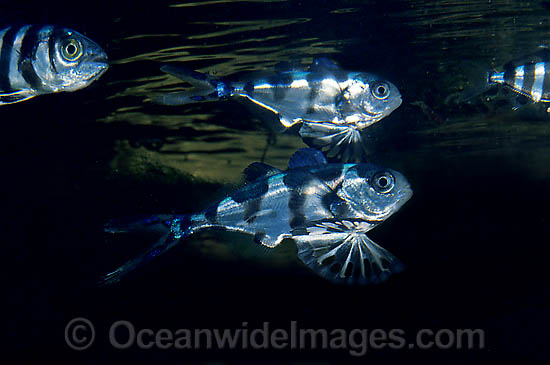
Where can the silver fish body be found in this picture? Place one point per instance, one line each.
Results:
(36, 60)
(332, 104)
(323, 93)
(531, 80)
(326, 208)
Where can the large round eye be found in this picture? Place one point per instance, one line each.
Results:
(71, 49)
(383, 182)
(381, 90)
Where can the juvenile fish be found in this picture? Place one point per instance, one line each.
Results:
(528, 76)
(36, 60)
(326, 208)
(334, 105)
(531, 80)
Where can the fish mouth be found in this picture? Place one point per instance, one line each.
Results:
(101, 61)
(398, 101)
(403, 196)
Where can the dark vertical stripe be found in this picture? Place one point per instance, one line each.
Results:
(249, 87)
(56, 35)
(546, 83)
(5, 56)
(211, 214)
(250, 196)
(510, 77)
(313, 92)
(296, 207)
(329, 173)
(296, 181)
(280, 83)
(253, 205)
(529, 79)
(27, 54)
(259, 237)
(251, 208)
(333, 203)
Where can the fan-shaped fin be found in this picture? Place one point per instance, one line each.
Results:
(342, 253)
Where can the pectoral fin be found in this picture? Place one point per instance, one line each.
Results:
(345, 257)
(16, 97)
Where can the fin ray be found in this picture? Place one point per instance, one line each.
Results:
(173, 229)
(204, 88)
(343, 142)
(345, 255)
(16, 97)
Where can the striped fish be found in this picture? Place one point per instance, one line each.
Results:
(36, 60)
(344, 102)
(326, 208)
(531, 80)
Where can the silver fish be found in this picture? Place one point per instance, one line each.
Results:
(531, 80)
(326, 208)
(343, 102)
(528, 75)
(36, 60)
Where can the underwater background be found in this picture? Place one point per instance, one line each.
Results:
(474, 236)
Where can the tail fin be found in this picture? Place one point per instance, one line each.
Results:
(204, 87)
(477, 82)
(172, 228)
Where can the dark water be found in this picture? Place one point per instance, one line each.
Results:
(474, 237)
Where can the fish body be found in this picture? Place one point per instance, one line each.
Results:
(324, 93)
(333, 105)
(326, 208)
(36, 60)
(531, 80)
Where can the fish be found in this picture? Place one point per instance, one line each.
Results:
(326, 208)
(342, 102)
(528, 76)
(37, 60)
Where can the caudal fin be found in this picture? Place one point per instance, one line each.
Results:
(204, 88)
(477, 81)
(172, 228)
(342, 255)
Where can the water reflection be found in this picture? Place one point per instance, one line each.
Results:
(420, 45)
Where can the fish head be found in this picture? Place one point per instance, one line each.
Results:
(374, 97)
(73, 60)
(373, 193)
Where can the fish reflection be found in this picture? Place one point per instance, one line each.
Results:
(332, 104)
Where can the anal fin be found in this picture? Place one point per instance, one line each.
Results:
(16, 97)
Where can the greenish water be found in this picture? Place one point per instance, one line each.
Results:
(473, 237)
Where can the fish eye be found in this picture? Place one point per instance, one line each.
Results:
(383, 182)
(381, 90)
(71, 49)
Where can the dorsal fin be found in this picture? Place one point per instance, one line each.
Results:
(257, 170)
(323, 64)
(306, 157)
